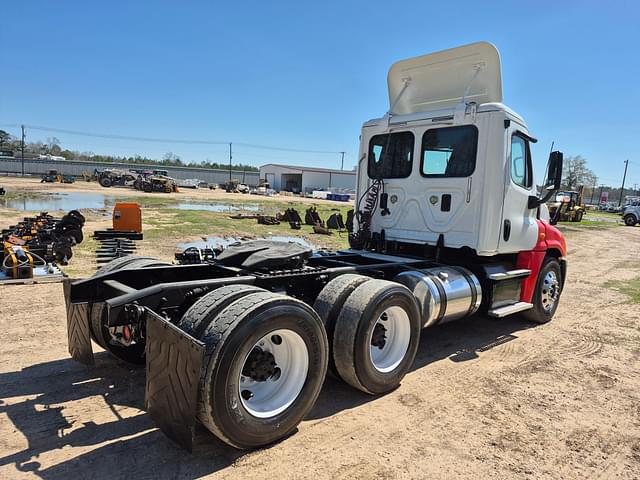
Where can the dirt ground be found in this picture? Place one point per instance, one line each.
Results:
(486, 398)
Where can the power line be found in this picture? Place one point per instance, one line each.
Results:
(168, 140)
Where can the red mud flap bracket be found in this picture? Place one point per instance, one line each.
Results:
(174, 360)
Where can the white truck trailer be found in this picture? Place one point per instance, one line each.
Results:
(446, 226)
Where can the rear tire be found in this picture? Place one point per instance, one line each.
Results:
(105, 182)
(630, 220)
(239, 398)
(547, 293)
(204, 311)
(376, 336)
(98, 321)
(330, 302)
(578, 216)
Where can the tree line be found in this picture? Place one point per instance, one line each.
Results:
(53, 147)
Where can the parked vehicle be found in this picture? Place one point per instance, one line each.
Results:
(568, 206)
(155, 183)
(631, 215)
(53, 176)
(115, 177)
(235, 186)
(446, 225)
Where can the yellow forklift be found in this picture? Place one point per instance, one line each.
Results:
(568, 206)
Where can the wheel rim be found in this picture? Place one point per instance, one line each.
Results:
(273, 373)
(550, 291)
(390, 339)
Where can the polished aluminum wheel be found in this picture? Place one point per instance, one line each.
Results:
(274, 373)
(550, 291)
(390, 339)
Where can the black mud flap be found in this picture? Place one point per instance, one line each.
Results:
(78, 333)
(174, 360)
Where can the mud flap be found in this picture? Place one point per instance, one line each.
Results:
(78, 333)
(174, 360)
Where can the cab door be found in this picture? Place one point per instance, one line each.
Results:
(519, 226)
(438, 198)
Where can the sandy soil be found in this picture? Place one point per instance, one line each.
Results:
(486, 398)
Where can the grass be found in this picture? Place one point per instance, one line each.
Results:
(175, 223)
(585, 225)
(631, 288)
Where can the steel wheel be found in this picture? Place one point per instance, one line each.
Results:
(550, 291)
(273, 373)
(390, 339)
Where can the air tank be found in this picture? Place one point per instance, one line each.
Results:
(444, 293)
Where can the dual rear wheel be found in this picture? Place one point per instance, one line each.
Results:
(374, 327)
(264, 365)
(266, 354)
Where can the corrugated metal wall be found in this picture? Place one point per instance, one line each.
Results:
(76, 167)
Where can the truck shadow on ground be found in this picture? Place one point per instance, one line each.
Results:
(34, 400)
(457, 342)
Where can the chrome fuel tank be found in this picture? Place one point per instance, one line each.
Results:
(444, 293)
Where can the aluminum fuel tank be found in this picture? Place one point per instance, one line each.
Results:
(444, 293)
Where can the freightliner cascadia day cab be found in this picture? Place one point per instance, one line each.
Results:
(446, 225)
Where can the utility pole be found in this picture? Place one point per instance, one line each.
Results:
(22, 148)
(593, 191)
(342, 161)
(230, 157)
(624, 177)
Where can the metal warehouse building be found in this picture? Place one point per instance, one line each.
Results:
(306, 179)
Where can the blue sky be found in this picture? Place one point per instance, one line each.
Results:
(306, 75)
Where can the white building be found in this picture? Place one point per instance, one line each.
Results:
(306, 179)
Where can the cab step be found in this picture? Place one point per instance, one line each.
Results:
(510, 274)
(510, 309)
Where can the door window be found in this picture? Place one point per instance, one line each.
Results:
(520, 161)
(449, 152)
(391, 155)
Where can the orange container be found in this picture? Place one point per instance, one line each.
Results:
(127, 216)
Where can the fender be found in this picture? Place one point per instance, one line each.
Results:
(550, 242)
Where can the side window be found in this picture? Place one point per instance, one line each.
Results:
(520, 162)
(449, 152)
(391, 155)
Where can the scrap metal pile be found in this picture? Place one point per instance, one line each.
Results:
(115, 244)
(311, 217)
(34, 246)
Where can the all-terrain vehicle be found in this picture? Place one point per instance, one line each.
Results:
(446, 226)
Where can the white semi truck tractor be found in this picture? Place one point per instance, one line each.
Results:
(446, 226)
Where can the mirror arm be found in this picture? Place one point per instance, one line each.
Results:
(535, 202)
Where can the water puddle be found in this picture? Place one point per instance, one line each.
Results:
(81, 200)
(58, 201)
